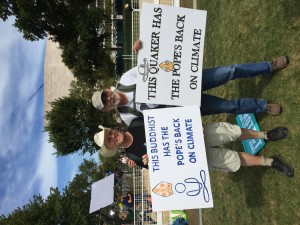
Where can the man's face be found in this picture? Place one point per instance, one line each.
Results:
(110, 99)
(113, 139)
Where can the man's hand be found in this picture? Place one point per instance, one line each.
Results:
(137, 46)
(145, 159)
(131, 163)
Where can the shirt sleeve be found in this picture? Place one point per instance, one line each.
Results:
(130, 77)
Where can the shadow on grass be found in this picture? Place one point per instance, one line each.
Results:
(292, 8)
(251, 88)
(251, 177)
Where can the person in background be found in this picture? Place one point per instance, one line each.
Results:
(127, 200)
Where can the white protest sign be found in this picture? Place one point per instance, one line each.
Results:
(102, 193)
(170, 61)
(179, 176)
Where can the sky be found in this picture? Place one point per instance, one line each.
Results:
(27, 164)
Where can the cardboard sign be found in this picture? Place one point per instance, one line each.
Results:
(179, 176)
(248, 121)
(102, 193)
(170, 61)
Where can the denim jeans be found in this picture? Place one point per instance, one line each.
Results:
(215, 77)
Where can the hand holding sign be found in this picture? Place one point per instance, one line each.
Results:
(137, 46)
(179, 174)
(171, 59)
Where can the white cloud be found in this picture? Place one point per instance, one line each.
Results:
(9, 37)
(3, 79)
(28, 174)
(17, 53)
(17, 178)
(47, 167)
(29, 166)
(32, 53)
(21, 63)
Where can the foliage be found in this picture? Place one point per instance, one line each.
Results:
(109, 164)
(27, 212)
(42, 212)
(37, 18)
(78, 29)
(77, 194)
(72, 123)
(86, 55)
(69, 207)
(7, 9)
(81, 89)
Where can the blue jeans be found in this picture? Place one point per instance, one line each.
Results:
(217, 76)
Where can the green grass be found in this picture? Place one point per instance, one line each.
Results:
(248, 31)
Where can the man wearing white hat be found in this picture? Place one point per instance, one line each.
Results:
(110, 140)
(215, 135)
(124, 98)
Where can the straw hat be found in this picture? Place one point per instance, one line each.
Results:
(99, 139)
(96, 99)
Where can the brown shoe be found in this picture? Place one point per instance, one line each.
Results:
(273, 109)
(280, 63)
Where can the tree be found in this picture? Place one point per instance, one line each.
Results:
(37, 18)
(87, 56)
(88, 62)
(69, 207)
(76, 196)
(7, 9)
(84, 90)
(80, 31)
(72, 123)
(37, 211)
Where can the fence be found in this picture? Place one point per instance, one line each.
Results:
(136, 6)
(137, 183)
(142, 211)
(142, 205)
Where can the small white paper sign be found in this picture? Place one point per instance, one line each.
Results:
(102, 193)
(179, 176)
(170, 61)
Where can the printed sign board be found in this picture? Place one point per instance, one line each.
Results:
(179, 176)
(248, 121)
(170, 61)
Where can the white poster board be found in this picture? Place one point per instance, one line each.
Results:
(102, 193)
(170, 61)
(179, 176)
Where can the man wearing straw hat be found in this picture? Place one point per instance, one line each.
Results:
(124, 98)
(215, 135)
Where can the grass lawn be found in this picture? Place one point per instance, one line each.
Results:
(240, 31)
(248, 31)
